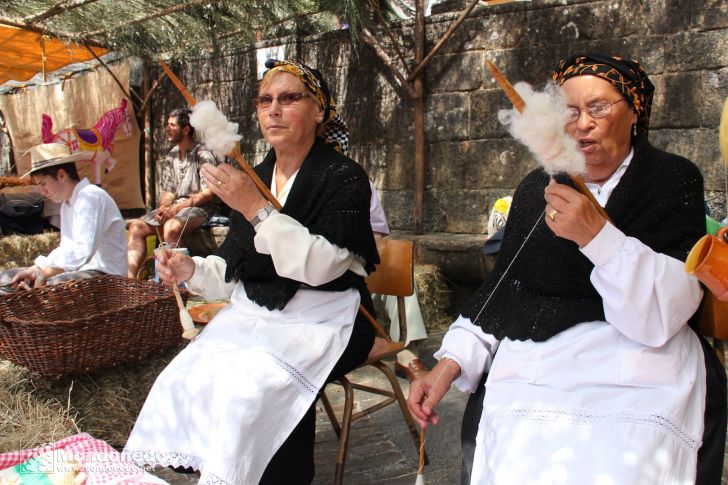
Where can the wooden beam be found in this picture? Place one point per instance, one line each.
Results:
(374, 43)
(56, 9)
(419, 189)
(150, 199)
(424, 62)
(160, 13)
(150, 92)
(20, 24)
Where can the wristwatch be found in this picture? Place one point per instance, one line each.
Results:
(262, 214)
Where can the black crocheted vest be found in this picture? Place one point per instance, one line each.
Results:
(659, 201)
(330, 197)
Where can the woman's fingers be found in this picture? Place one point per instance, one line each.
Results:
(417, 394)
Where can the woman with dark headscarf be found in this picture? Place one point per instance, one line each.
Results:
(237, 403)
(594, 375)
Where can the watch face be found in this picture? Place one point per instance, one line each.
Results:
(263, 214)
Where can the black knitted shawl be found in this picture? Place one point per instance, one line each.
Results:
(659, 200)
(330, 197)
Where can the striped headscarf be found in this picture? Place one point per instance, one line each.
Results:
(626, 75)
(336, 132)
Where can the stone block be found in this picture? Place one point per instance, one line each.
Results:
(666, 16)
(484, 106)
(708, 14)
(460, 257)
(398, 206)
(700, 145)
(446, 117)
(455, 72)
(382, 120)
(455, 210)
(688, 51)
(583, 22)
(713, 93)
(390, 167)
(676, 101)
(476, 164)
(494, 30)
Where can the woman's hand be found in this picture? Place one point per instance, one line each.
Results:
(235, 188)
(173, 267)
(570, 214)
(427, 391)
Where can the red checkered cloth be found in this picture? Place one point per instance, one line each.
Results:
(101, 463)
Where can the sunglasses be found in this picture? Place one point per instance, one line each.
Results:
(284, 99)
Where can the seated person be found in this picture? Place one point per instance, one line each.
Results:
(594, 375)
(92, 229)
(238, 402)
(186, 203)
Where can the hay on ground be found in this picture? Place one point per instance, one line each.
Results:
(35, 410)
(435, 298)
(19, 251)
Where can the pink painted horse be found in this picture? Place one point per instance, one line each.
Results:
(96, 141)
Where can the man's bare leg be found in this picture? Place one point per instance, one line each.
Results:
(136, 245)
(173, 228)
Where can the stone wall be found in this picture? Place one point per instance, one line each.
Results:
(471, 161)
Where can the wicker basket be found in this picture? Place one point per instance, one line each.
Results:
(87, 324)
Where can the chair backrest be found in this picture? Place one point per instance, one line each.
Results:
(394, 275)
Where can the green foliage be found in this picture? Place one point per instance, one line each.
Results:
(191, 30)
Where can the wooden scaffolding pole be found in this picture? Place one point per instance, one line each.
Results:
(419, 188)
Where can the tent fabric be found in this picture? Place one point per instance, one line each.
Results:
(23, 56)
(78, 103)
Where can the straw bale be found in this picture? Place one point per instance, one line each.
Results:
(36, 410)
(18, 251)
(435, 298)
(12, 181)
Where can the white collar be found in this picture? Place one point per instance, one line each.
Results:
(603, 191)
(79, 186)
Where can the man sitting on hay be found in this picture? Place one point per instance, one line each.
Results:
(92, 229)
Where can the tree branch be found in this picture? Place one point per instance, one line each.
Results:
(374, 43)
(384, 23)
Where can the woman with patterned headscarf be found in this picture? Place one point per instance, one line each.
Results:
(238, 403)
(594, 375)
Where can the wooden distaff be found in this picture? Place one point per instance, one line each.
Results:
(520, 105)
(235, 154)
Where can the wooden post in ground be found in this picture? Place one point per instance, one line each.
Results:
(419, 189)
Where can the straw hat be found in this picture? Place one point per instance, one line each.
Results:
(50, 155)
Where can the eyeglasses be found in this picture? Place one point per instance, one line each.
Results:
(596, 111)
(284, 99)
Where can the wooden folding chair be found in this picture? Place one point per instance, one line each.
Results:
(393, 276)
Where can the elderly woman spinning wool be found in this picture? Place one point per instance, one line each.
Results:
(238, 402)
(594, 375)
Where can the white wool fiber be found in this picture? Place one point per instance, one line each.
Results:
(217, 133)
(541, 128)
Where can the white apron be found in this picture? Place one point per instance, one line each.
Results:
(230, 399)
(589, 406)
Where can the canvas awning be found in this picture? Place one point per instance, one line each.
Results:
(24, 52)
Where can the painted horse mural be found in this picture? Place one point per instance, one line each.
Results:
(96, 141)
